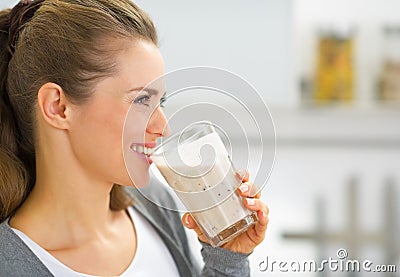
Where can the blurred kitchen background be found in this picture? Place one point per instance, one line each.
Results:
(329, 70)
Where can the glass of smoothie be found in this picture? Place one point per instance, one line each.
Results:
(197, 166)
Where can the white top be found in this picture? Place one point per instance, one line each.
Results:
(152, 257)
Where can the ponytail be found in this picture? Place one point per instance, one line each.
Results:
(13, 175)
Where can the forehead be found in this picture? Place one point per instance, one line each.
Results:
(139, 63)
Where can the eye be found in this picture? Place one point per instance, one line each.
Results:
(143, 99)
(162, 101)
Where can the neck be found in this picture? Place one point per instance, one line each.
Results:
(73, 203)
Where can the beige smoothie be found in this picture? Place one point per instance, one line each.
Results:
(207, 187)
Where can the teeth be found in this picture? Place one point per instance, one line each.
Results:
(141, 149)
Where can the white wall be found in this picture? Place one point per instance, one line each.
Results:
(252, 39)
(7, 3)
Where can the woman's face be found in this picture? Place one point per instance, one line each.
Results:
(103, 133)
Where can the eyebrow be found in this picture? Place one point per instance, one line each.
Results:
(151, 91)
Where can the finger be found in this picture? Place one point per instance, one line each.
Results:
(260, 227)
(244, 189)
(258, 195)
(254, 204)
(244, 175)
(262, 223)
(189, 222)
(262, 214)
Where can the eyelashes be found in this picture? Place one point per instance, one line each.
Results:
(143, 99)
(146, 100)
(162, 101)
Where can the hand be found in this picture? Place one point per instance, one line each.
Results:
(247, 241)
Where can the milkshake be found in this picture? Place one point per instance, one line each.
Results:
(199, 170)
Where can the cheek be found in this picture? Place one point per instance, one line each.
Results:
(105, 125)
(135, 126)
(96, 136)
(134, 132)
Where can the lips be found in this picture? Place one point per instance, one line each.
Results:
(144, 150)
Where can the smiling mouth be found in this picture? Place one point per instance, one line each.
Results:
(142, 149)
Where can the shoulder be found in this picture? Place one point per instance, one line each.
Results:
(16, 259)
(8, 243)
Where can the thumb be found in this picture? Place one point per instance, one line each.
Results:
(189, 222)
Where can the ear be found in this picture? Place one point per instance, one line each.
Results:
(53, 105)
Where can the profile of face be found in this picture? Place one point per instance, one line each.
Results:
(122, 114)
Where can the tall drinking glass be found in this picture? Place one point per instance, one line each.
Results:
(196, 165)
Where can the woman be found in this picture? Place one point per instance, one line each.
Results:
(70, 70)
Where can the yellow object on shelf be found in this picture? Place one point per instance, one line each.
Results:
(335, 73)
(390, 75)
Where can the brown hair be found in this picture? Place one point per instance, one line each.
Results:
(59, 41)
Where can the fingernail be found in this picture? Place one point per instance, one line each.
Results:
(250, 201)
(243, 188)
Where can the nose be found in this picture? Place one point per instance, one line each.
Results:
(158, 124)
